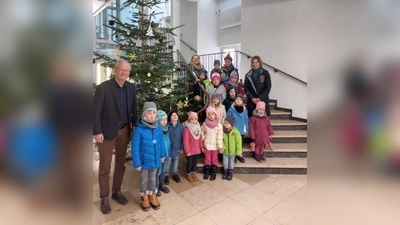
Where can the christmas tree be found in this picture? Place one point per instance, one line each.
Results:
(149, 48)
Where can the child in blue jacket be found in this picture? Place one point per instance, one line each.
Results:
(238, 110)
(175, 131)
(164, 168)
(148, 152)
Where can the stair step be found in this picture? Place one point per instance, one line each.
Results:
(285, 136)
(281, 150)
(272, 166)
(288, 124)
(279, 114)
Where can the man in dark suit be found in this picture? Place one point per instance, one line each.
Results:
(115, 113)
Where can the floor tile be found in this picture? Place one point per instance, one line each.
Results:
(173, 210)
(285, 214)
(96, 220)
(298, 200)
(184, 184)
(251, 179)
(276, 188)
(137, 217)
(229, 212)
(255, 200)
(96, 190)
(304, 187)
(198, 219)
(203, 196)
(260, 221)
(228, 187)
(117, 210)
(295, 180)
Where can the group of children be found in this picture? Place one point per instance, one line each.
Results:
(159, 139)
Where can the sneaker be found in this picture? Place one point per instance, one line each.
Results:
(176, 178)
(158, 193)
(166, 180)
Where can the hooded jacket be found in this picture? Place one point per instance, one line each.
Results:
(241, 119)
(233, 142)
(148, 147)
(260, 129)
(176, 137)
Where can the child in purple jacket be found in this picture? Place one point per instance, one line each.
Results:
(260, 131)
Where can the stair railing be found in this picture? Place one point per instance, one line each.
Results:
(208, 61)
(206, 95)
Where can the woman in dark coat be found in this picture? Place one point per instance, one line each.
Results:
(257, 85)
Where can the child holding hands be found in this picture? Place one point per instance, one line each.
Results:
(148, 152)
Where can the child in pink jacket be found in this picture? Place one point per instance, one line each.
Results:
(260, 131)
(192, 143)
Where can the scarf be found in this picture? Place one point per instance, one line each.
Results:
(229, 69)
(255, 113)
(165, 130)
(226, 131)
(239, 109)
(233, 84)
(197, 67)
(194, 129)
(256, 73)
(223, 80)
(212, 124)
(150, 124)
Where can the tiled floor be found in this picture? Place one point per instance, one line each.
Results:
(247, 199)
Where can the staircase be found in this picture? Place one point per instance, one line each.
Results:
(290, 148)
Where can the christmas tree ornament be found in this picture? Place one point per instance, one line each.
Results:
(171, 62)
(139, 43)
(132, 56)
(138, 86)
(170, 46)
(136, 74)
(180, 105)
(197, 98)
(175, 73)
(156, 29)
(117, 52)
(148, 74)
(111, 22)
(185, 104)
(161, 40)
(150, 32)
(164, 50)
(128, 32)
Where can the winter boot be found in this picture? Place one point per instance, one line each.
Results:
(258, 158)
(154, 201)
(262, 157)
(225, 174)
(194, 176)
(213, 173)
(166, 180)
(163, 188)
(145, 202)
(206, 172)
(230, 175)
(176, 178)
(189, 177)
(158, 193)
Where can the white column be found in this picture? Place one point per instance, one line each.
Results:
(176, 21)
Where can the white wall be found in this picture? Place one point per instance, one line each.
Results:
(231, 35)
(207, 27)
(275, 30)
(188, 17)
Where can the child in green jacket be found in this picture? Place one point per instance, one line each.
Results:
(232, 146)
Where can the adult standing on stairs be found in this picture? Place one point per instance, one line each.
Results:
(257, 85)
(229, 67)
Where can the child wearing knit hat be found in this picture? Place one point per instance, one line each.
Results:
(164, 168)
(239, 112)
(232, 146)
(234, 82)
(260, 131)
(219, 108)
(213, 134)
(192, 143)
(216, 87)
(230, 98)
(217, 67)
(148, 153)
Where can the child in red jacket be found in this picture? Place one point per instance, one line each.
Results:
(260, 131)
(192, 143)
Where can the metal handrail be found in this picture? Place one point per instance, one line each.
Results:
(188, 46)
(276, 69)
(206, 95)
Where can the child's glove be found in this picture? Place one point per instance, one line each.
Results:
(253, 146)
